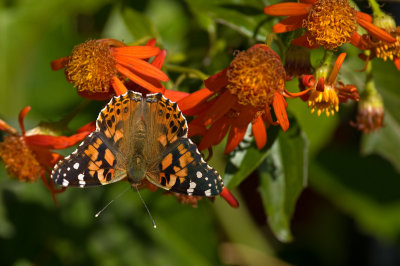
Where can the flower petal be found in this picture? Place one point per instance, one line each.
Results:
(196, 130)
(21, 117)
(59, 63)
(215, 133)
(335, 70)
(259, 132)
(236, 135)
(358, 41)
(376, 31)
(142, 67)
(175, 96)
(159, 59)
(91, 126)
(140, 52)
(279, 104)
(288, 9)
(227, 195)
(220, 107)
(194, 99)
(364, 16)
(55, 142)
(217, 81)
(118, 86)
(138, 80)
(7, 128)
(289, 24)
(303, 41)
(397, 63)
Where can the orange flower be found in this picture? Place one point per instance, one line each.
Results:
(328, 23)
(326, 94)
(99, 68)
(238, 95)
(28, 156)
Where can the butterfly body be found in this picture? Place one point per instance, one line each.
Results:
(138, 138)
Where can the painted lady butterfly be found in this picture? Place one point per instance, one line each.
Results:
(140, 138)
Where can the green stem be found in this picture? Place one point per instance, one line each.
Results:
(369, 81)
(191, 71)
(376, 10)
(326, 61)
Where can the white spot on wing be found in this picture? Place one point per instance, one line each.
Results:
(199, 174)
(76, 166)
(81, 176)
(207, 192)
(65, 183)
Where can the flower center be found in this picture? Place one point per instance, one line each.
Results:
(387, 50)
(254, 75)
(91, 67)
(19, 160)
(326, 101)
(330, 23)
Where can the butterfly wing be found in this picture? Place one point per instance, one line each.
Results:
(179, 166)
(102, 157)
(183, 170)
(91, 164)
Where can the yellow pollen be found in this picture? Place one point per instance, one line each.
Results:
(91, 67)
(324, 102)
(19, 160)
(254, 75)
(330, 23)
(387, 50)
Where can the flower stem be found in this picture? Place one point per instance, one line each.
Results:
(191, 71)
(376, 10)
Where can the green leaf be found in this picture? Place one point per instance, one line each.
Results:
(386, 142)
(246, 158)
(283, 176)
(138, 24)
(245, 17)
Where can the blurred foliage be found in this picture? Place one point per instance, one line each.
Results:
(349, 214)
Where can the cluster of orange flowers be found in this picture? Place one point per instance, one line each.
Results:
(251, 90)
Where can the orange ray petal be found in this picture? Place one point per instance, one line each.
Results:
(194, 99)
(376, 31)
(364, 16)
(91, 126)
(217, 81)
(21, 117)
(151, 42)
(215, 133)
(143, 67)
(227, 195)
(159, 59)
(288, 9)
(55, 142)
(397, 63)
(135, 78)
(358, 41)
(302, 41)
(59, 63)
(289, 24)
(118, 86)
(222, 105)
(140, 52)
(175, 96)
(279, 104)
(236, 135)
(259, 132)
(7, 128)
(335, 70)
(196, 130)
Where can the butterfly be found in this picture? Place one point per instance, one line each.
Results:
(140, 138)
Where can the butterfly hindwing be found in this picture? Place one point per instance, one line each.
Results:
(183, 170)
(91, 164)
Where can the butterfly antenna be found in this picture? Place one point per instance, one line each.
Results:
(148, 211)
(119, 195)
